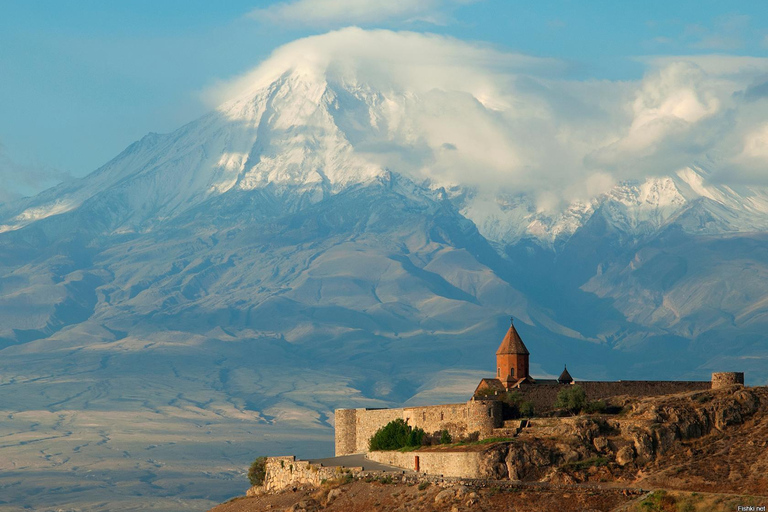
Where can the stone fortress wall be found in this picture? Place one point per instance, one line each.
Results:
(446, 464)
(355, 427)
(543, 395)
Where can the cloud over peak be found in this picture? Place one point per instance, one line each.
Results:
(472, 114)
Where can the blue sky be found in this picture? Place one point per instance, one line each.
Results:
(80, 80)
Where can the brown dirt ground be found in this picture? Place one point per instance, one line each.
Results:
(361, 496)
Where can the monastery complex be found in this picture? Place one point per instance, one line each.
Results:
(487, 415)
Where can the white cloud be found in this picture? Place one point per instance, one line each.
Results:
(454, 112)
(334, 13)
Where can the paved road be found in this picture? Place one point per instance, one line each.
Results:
(357, 461)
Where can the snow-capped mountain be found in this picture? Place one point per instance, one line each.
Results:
(298, 142)
(638, 209)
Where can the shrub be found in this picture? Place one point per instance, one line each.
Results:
(472, 437)
(586, 463)
(395, 435)
(658, 501)
(512, 397)
(431, 439)
(258, 471)
(596, 406)
(526, 409)
(516, 406)
(572, 399)
(445, 437)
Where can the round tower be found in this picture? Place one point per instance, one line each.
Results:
(345, 427)
(483, 416)
(726, 379)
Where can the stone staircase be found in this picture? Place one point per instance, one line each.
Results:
(511, 428)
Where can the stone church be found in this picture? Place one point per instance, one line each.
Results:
(485, 413)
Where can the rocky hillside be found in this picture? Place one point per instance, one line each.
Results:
(695, 449)
(704, 441)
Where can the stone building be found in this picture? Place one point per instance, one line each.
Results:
(485, 413)
(512, 364)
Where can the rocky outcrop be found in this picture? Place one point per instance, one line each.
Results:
(648, 430)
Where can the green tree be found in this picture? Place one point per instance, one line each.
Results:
(395, 435)
(573, 399)
(597, 406)
(512, 397)
(258, 471)
(445, 437)
(526, 409)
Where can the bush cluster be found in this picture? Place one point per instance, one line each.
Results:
(398, 434)
(519, 407)
(258, 471)
(435, 438)
(574, 400)
(395, 435)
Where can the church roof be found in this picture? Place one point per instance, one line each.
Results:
(512, 344)
(565, 377)
(494, 384)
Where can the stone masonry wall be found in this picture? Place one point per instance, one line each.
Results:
(725, 379)
(450, 464)
(451, 417)
(543, 395)
(367, 422)
(355, 427)
(286, 472)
